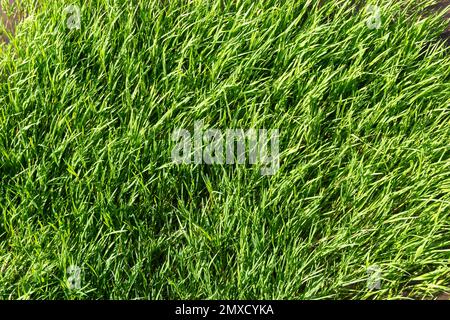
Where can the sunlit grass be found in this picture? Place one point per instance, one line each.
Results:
(86, 118)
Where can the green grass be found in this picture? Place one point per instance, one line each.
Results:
(86, 118)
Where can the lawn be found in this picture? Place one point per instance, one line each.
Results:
(92, 205)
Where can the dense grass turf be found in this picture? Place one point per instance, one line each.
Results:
(86, 118)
